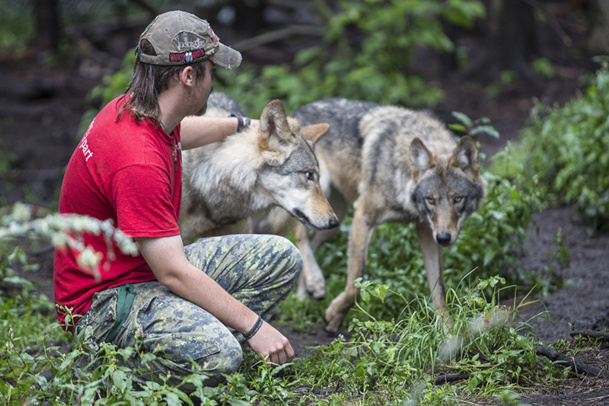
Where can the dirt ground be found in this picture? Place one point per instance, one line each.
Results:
(40, 112)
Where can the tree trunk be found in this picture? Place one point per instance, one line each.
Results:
(513, 37)
(48, 31)
(598, 42)
(249, 15)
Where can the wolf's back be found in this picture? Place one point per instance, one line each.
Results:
(343, 116)
(220, 101)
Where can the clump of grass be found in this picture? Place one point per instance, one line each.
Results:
(399, 359)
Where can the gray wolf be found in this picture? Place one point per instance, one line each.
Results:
(224, 183)
(391, 164)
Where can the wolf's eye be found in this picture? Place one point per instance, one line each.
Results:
(310, 175)
(457, 199)
(430, 200)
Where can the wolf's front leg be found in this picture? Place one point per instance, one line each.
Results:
(432, 259)
(359, 238)
(312, 282)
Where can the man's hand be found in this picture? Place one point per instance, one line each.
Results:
(271, 345)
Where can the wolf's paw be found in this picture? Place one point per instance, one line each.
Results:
(317, 295)
(303, 292)
(336, 313)
(317, 292)
(331, 324)
(314, 281)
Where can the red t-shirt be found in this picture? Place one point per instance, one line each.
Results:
(126, 171)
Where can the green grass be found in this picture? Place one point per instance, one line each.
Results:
(384, 362)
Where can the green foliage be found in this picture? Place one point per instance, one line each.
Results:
(402, 356)
(565, 148)
(544, 68)
(111, 87)
(384, 362)
(472, 127)
(16, 25)
(493, 236)
(369, 53)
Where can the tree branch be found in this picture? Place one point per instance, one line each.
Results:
(578, 366)
(278, 35)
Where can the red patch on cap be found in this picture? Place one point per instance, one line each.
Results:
(213, 36)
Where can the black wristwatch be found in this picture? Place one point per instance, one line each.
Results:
(242, 122)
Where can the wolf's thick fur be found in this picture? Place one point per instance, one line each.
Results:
(273, 165)
(393, 165)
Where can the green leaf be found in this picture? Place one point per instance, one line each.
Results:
(457, 127)
(463, 118)
(485, 129)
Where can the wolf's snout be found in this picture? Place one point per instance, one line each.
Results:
(333, 222)
(443, 239)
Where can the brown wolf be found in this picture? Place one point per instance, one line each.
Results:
(393, 165)
(273, 165)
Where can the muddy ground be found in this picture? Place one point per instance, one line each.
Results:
(41, 108)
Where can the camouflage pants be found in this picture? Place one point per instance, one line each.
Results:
(258, 270)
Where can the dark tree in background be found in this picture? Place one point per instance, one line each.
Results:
(509, 41)
(47, 25)
(249, 15)
(513, 35)
(598, 41)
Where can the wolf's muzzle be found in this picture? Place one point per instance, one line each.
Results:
(443, 239)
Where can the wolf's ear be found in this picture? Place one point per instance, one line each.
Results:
(314, 131)
(466, 156)
(274, 122)
(420, 157)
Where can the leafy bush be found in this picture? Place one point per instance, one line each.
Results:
(16, 26)
(565, 149)
(369, 54)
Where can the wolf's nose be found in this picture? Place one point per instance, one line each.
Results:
(443, 239)
(333, 223)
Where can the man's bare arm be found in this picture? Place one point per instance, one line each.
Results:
(197, 131)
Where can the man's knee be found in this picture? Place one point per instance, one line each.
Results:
(287, 250)
(212, 356)
(225, 361)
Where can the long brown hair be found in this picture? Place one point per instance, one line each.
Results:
(148, 82)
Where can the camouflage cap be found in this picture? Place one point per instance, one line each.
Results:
(180, 38)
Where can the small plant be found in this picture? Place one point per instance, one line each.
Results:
(64, 231)
(16, 26)
(472, 127)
